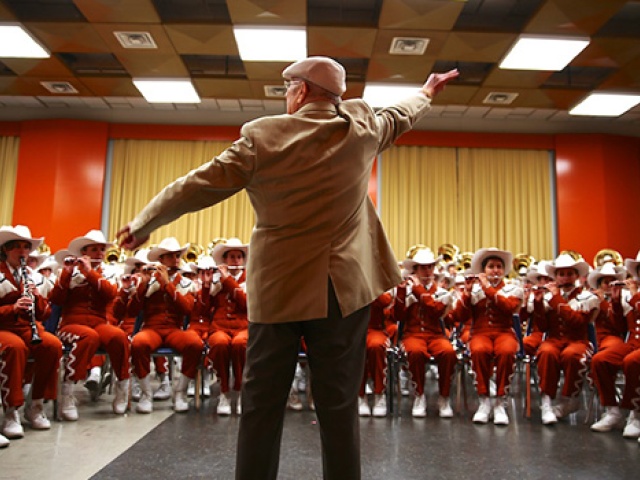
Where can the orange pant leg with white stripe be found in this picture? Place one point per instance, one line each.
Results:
(489, 348)
(561, 355)
(15, 350)
(85, 341)
(228, 349)
(420, 348)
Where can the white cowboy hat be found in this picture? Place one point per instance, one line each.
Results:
(90, 238)
(60, 255)
(484, 253)
(167, 245)
(205, 262)
(39, 257)
(232, 244)
(539, 270)
(423, 256)
(48, 262)
(139, 257)
(606, 270)
(450, 281)
(19, 232)
(632, 265)
(189, 268)
(567, 261)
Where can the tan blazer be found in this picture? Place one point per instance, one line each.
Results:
(307, 177)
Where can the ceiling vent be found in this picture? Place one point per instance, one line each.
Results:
(500, 98)
(408, 46)
(59, 87)
(279, 91)
(135, 39)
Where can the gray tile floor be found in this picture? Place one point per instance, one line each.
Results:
(200, 444)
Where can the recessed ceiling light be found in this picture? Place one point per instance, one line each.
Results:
(500, 98)
(59, 87)
(268, 44)
(605, 105)
(279, 91)
(408, 46)
(383, 95)
(17, 42)
(135, 39)
(534, 52)
(158, 90)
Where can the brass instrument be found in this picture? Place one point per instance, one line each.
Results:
(193, 253)
(214, 242)
(607, 255)
(114, 254)
(35, 338)
(414, 249)
(465, 261)
(520, 261)
(44, 249)
(573, 254)
(449, 252)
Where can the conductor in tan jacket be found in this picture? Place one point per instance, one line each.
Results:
(319, 255)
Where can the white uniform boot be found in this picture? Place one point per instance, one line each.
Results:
(363, 407)
(444, 407)
(68, 409)
(4, 441)
(419, 409)
(483, 414)
(632, 430)
(546, 410)
(164, 390)
(145, 404)
(181, 401)
(35, 415)
(379, 405)
(92, 383)
(239, 404)
(224, 404)
(500, 416)
(566, 406)
(611, 419)
(135, 389)
(11, 426)
(121, 397)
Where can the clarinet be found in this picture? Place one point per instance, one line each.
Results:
(35, 338)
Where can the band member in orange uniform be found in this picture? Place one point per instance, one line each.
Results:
(381, 329)
(229, 327)
(491, 304)
(86, 297)
(539, 278)
(563, 311)
(165, 299)
(22, 308)
(421, 306)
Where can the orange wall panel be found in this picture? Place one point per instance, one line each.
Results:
(61, 174)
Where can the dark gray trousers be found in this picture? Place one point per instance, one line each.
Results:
(336, 354)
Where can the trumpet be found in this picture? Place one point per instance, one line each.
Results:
(35, 337)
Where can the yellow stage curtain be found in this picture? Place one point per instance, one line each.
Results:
(418, 197)
(9, 147)
(141, 168)
(472, 198)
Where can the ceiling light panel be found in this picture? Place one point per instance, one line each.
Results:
(17, 42)
(268, 44)
(408, 46)
(605, 105)
(532, 52)
(156, 90)
(384, 95)
(135, 39)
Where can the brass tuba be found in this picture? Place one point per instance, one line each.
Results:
(114, 254)
(193, 253)
(607, 255)
(465, 261)
(573, 254)
(44, 248)
(214, 242)
(520, 261)
(414, 249)
(449, 252)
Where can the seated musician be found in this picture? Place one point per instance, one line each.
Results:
(85, 297)
(165, 298)
(22, 308)
(563, 311)
(538, 277)
(420, 307)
